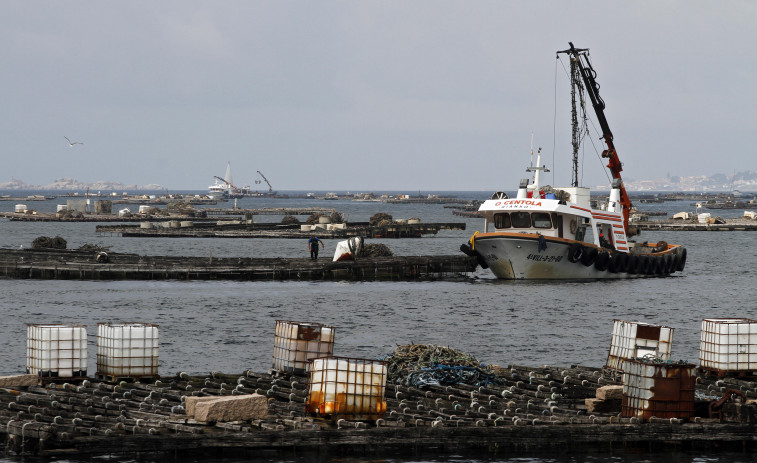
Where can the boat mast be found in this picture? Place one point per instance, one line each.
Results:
(575, 84)
(581, 58)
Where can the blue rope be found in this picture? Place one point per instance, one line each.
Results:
(446, 375)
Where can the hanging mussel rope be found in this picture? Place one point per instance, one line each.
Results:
(419, 365)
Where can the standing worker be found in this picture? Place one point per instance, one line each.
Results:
(313, 246)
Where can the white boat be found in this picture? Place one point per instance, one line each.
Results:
(225, 188)
(555, 233)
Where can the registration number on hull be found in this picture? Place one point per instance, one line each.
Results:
(544, 258)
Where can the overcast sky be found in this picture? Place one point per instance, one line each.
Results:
(368, 95)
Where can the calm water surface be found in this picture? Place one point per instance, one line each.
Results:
(228, 326)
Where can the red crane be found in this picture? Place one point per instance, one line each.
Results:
(581, 57)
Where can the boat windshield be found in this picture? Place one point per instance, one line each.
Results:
(502, 221)
(541, 220)
(522, 219)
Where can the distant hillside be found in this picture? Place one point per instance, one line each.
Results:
(742, 181)
(70, 184)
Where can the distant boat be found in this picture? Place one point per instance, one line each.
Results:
(225, 188)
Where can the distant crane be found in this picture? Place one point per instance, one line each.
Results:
(270, 188)
(226, 182)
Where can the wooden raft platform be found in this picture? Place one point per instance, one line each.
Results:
(281, 231)
(534, 411)
(740, 225)
(79, 265)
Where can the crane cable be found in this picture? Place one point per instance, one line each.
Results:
(586, 116)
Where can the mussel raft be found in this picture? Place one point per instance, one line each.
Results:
(532, 410)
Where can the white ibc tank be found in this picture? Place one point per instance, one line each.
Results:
(127, 349)
(60, 208)
(56, 350)
(347, 387)
(637, 339)
(295, 343)
(728, 345)
(20, 208)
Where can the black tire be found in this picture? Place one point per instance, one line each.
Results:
(590, 255)
(644, 263)
(612, 264)
(633, 264)
(575, 252)
(600, 263)
(621, 262)
(682, 260)
(669, 268)
(657, 266)
(465, 248)
(674, 263)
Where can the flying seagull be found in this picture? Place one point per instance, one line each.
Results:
(70, 143)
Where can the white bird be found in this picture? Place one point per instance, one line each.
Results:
(70, 143)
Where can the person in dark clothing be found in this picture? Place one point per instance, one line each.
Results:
(313, 246)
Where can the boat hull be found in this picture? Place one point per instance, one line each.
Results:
(516, 256)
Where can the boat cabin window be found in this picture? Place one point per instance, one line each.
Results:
(541, 220)
(502, 220)
(524, 219)
(521, 220)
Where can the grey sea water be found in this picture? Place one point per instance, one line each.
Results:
(228, 326)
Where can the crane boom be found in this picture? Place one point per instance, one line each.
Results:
(225, 181)
(581, 57)
(270, 188)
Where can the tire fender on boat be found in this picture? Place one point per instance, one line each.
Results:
(590, 255)
(600, 263)
(644, 264)
(618, 263)
(655, 265)
(668, 260)
(575, 252)
(633, 264)
(681, 260)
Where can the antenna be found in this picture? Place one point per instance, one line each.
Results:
(532, 149)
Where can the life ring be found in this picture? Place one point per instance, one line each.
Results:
(590, 255)
(600, 263)
(573, 226)
(575, 252)
(681, 260)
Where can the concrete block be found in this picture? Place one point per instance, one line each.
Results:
(190, 404)
(603, 406)
(232, 408)
(610, 393)
(18, 381)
